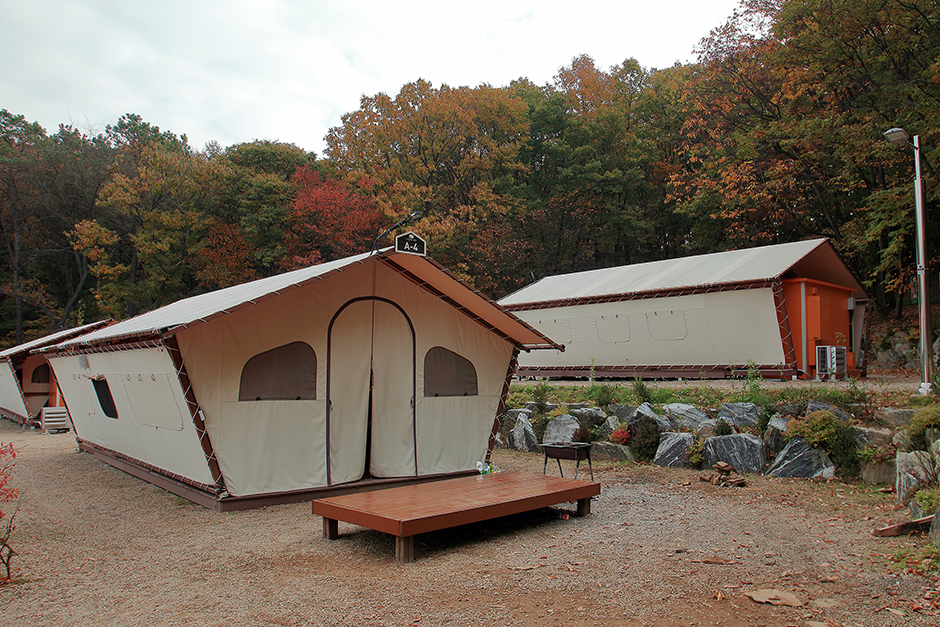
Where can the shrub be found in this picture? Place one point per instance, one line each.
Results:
(823, 430)
(723, 428)
(642, 391)
(540, 396)
(621, 435)
(877, 454)
(695, 454)
(645, 439)
(928, 500)
(8, 498)
(603, 395)
(583, 434)
(925, 418)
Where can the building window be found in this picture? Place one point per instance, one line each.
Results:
(448, 374)
(104, 397)
(40, 374)
(285, 373)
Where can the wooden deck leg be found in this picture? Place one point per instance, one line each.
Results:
(330, 528)
(584, 507)
(405, 548)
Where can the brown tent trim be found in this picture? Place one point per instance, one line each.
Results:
(173, 349)
(642, 295)
(501, 408)
(686, 371)
(783, 320)
(12, 415)
(447, 299)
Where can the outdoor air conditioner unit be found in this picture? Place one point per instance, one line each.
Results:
(831, 361)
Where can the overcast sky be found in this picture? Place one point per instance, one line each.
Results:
(239, 70)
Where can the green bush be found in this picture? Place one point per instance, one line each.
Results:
(928, 500)
(540, 396)
(583, 434)
(695, 454)
(723, 428)
(645, 439)
(642, 391)
(925, 418)
(821, 429)
(603, 395)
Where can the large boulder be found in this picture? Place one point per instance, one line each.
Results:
(673, 449)
(522, 436)
(773, 435)
(592, 416)
(876, 438)
(611, 451)
(622, 412)
(914, 469)
(743, 451)
(512, 415)
(739, 415)
(663, 423)
(610, 425)
(841, 414)
(560, 430)
(685, 416)
(801, 460)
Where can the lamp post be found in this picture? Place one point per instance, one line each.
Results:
(900, 136)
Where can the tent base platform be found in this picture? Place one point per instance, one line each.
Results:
(409, 510)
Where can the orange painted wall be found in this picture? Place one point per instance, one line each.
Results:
(827, 319)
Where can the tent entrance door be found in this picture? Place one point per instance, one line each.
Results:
(371, 370)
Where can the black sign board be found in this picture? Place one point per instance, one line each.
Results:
(411, 243)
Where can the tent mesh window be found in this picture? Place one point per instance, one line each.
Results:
(104, 398)
(285, 373)
(448, 374)
(40, 374)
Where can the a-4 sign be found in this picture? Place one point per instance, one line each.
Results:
(411, 244)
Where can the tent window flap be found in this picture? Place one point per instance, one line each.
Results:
(448, 374)
(285, 373)
(104, 397)
(40, 374)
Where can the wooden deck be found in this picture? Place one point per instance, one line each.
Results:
(409, 510)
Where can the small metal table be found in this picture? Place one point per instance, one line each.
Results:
(575, 451)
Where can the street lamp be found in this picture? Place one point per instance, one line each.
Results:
(900, 136)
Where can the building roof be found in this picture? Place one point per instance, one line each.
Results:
(814, 259)
(423, 271)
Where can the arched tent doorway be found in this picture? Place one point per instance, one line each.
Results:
(371, 370)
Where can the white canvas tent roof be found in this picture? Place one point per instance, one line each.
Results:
(51, 339)
(816, 258)
(423, 271)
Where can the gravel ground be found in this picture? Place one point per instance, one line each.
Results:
(99, 547)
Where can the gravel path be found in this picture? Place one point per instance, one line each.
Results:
(99, 547)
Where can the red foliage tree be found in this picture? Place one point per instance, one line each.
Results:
(328, 220)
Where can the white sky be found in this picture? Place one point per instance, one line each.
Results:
(239, 70)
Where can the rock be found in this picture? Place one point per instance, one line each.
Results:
(685, 416)
(744, 451)
(773, 435)
(934, 534)
(739, 415)
(646, 409)
(615, 452)
(622, 412)
(792, 409)
(799, 459)
(879, 472)
(511, 415)
(673, 449)
(610, 425)
(706, 429)
(902, 442)
(814, 406)
(913, 470)
(522, 436)
(592, 416)
(561, 430)
(877, 438)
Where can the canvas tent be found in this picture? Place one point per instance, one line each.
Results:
(372, 368)
(26, 382)
(775, 307)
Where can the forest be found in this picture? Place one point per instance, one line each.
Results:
(774, 134)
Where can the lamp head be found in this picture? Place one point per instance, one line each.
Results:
(897, 136)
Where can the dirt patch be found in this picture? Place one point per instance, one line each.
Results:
(98, 547)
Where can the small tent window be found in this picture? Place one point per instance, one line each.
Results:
(448, 374)
(104, 398)
(285, 373)
(40, 374)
